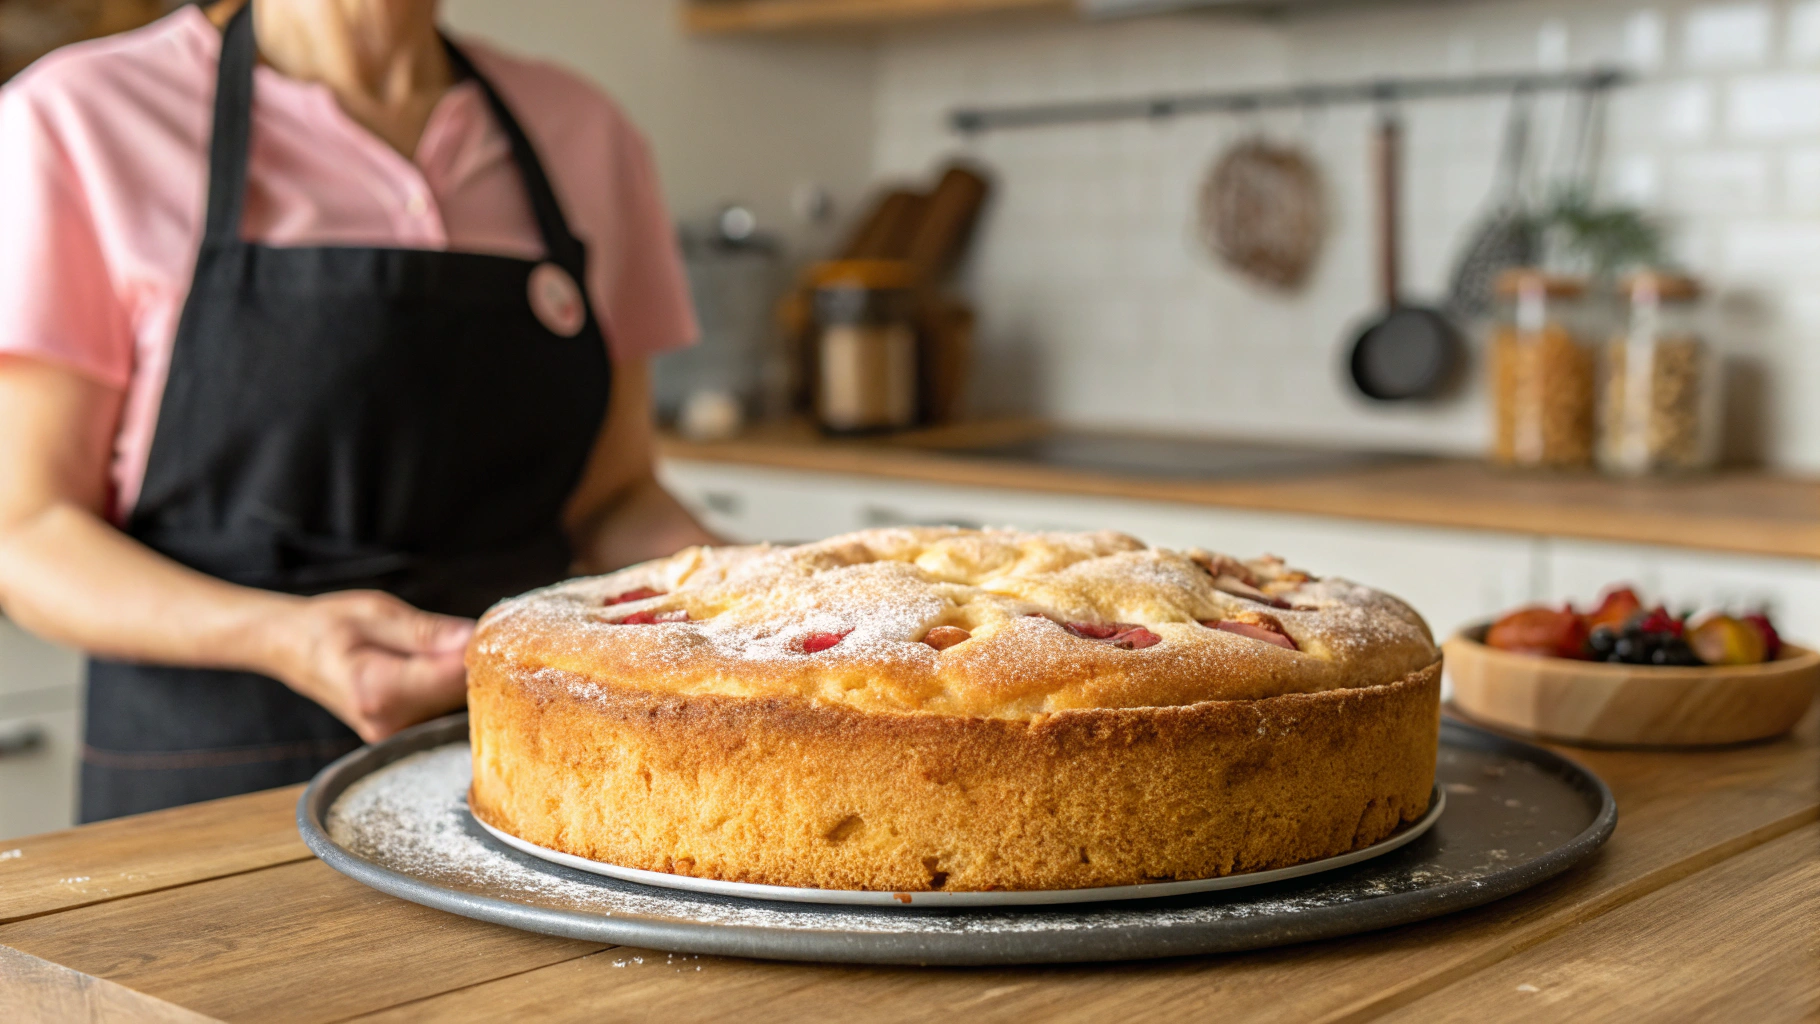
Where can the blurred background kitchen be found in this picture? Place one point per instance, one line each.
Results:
(1484, 302)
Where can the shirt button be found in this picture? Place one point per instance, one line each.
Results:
(416, 205)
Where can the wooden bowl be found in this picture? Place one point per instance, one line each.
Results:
(1630, 705)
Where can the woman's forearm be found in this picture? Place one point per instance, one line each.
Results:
(645, 522)
(72, 578)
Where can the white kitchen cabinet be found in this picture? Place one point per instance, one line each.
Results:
(28, 663)
(38, 786)
(40, 696)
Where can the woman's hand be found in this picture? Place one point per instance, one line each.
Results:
(375, 662)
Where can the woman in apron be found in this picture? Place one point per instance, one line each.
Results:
(357, 446)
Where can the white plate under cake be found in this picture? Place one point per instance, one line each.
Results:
(960, 710)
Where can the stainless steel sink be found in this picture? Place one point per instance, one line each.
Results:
(1178, 458)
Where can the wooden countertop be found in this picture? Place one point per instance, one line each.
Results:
(1740, 511)
(1699, 908)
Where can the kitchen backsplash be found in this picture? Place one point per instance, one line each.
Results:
(1098, 305)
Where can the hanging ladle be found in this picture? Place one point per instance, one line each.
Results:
(1408, 351)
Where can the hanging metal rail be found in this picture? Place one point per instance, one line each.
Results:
(973, 120)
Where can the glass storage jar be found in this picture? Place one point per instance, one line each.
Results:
(866, 366)
(1543, 370)
(1661, 391)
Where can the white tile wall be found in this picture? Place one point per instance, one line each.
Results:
(1098, 306)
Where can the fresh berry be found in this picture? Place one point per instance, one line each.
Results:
(1615, 609)
(1602, 641)
(1657, 620)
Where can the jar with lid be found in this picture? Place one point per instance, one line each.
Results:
(1661, 391)
(866, 365)
(1543, 370)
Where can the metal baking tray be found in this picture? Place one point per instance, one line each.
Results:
(1516, 814)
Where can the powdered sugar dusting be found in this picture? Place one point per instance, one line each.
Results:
(412, 817)
(750, 610)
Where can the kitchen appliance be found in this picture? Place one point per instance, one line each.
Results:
(1408, 351)
(735, 274)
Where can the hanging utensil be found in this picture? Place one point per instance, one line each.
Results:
(1262, 212)
(1408, 351)
(1508, 233)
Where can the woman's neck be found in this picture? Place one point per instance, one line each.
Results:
(383, 59)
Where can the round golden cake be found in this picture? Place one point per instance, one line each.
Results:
(917, 709)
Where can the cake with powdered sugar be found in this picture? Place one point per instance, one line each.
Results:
(918, 709)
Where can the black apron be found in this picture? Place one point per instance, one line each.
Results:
(342, 418)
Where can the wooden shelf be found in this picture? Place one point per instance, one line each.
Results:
(725, 17)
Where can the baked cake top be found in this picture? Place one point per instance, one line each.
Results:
(994, 623)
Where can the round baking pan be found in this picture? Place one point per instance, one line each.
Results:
(1516, 815)
(1437, 802)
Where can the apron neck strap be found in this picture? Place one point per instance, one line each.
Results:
(232, 132)
(563, 247)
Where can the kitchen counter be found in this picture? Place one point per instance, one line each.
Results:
(1743, 512)
(1700, 907)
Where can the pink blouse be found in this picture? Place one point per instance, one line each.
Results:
(103, 174)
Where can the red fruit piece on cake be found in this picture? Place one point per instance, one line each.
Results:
(1255, 626)
(1123, 635)
(640, 594)
(1135, 639)
(943, 637)
(653, 618)
(816, 642)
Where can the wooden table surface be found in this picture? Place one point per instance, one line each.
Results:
(1738, 511)
(1705, 905)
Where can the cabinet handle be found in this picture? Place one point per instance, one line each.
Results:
(725, 503)
(18, 739)
(883, 515)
